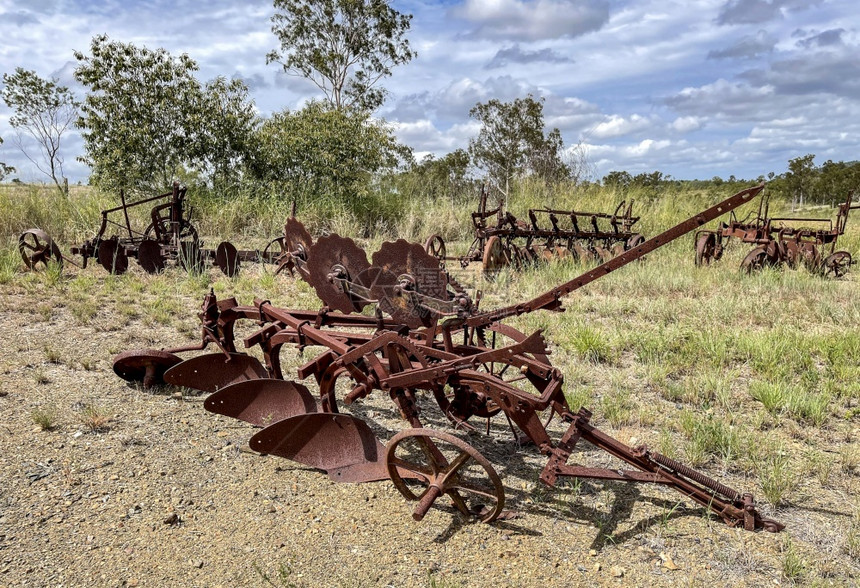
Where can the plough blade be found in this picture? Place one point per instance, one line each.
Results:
(262, 402)
(214, 371)
(144, 365)
(341, 445)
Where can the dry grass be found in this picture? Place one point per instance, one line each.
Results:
(752, 378)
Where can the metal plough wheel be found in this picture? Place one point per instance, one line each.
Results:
(755, 260)
(162, 231)
(425, 464)
(494, 255)
(37, 247)
(706, 246)
(837, 264)
(435, 246)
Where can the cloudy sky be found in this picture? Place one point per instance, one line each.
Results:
(693, 89)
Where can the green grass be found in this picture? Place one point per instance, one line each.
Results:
(754, 379)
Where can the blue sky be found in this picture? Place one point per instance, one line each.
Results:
(693, 89)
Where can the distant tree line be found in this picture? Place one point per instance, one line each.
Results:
(803, 182)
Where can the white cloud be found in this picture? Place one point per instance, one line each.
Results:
(532, 20)
(619, 126)
(687, 124)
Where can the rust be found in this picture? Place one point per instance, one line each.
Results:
(473, 365)
(781, 240)
(170, 236)
(548, 234)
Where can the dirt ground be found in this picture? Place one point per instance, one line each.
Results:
(127, 487)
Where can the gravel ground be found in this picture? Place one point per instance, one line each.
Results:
(145, 488)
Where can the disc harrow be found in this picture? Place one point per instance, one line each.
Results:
(549, 233)
(425, 336)
(170, 236)
(777, 241)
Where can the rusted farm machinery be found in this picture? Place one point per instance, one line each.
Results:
(549, 233)
(425, 335)
(781, 240)
(169, 236)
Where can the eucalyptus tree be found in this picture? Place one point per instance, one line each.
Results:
(512, 142)
(344, 47)
(320, 152)
(43, 110)
(146, 117)
(5, 170)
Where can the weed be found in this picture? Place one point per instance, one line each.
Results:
(617, 407)
(283, 579)
(579, 397)
(811, 408)
(852, 536)
(41, 377)
(590, 344)
(793, 566)
(84, 310)
(666, 444)
(94, 418)
(51, 354)
(819, 465)
(44, 416)
(776, 477)
(771, 394)
(849, 457)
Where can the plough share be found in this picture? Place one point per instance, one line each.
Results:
(426, 334)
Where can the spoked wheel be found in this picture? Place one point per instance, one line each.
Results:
(837, 264)
(462, 399)
(755, 260)
(162, 232)
(37, 247)
(425, 464)
(494, 255)
(706, 246)
(435, 246)
(276, 252)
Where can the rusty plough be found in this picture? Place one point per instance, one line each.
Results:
(549, 233)
(781, 240)
(425, 335)
(170, 236)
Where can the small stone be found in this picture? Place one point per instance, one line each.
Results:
(617, 571)
(172, 519)
(132, 582)
(596, 567)
(667, 561)
(593, 553)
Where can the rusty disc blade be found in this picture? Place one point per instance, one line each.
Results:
(402, 258)
(297, 239)
(112, 256)
(215, 371)
(227, 258)
(339, 444)
(144, 365)
(149, 256)
(330, 255)
(262, 402)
